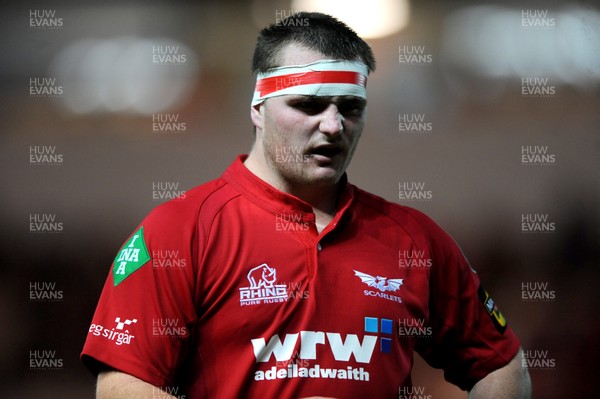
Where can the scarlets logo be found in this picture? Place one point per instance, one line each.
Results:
(382, 284)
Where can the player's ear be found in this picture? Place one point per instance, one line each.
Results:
(257, 115)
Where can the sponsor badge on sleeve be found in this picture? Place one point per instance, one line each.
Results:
(132, 256)
(492, 310)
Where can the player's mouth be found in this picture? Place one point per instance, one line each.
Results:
(326, 153)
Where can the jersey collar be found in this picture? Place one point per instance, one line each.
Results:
(275, 201)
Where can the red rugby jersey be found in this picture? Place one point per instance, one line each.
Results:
(230, 292)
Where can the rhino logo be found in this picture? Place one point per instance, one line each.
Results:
(262, 276)
(262, 287)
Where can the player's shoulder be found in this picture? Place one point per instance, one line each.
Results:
(422, 229)
(405, 216)
(201, 201)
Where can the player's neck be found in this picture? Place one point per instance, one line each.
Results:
(322, 198)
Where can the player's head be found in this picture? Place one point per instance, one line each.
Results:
(314, 31)
(309, 104)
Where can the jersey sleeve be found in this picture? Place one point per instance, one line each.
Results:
(142, 323)
(470, 336)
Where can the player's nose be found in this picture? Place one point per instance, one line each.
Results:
(331, 121)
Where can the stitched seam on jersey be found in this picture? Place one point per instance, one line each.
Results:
(218, 210)
(209, 229)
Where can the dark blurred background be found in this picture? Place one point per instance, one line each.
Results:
(109, 107)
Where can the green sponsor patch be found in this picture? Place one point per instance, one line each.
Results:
(133, 256)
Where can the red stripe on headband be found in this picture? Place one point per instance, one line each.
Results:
(271, 84)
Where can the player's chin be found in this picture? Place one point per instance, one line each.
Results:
(326, 175)
(334, 159)
(327, 165)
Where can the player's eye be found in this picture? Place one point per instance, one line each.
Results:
(309, 106)
(352, 108)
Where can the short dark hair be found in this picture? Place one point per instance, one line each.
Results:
(315, 31)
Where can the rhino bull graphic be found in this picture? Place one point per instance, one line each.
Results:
(262, 276)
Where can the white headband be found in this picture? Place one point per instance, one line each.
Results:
(321, 78)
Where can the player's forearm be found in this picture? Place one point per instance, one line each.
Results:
(117, 385)
(510, 382)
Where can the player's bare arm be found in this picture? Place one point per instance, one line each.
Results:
(509, 382)
(117, 385)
